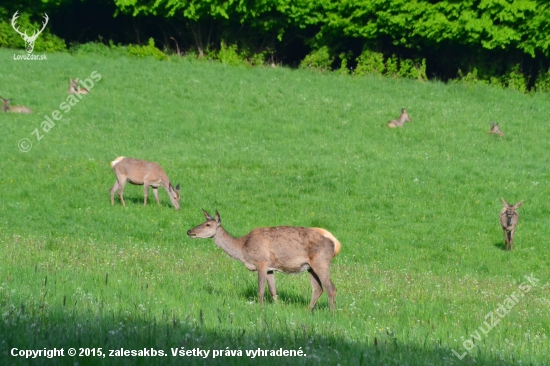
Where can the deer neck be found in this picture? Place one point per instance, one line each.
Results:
(232, 246)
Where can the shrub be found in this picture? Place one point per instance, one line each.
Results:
(149, 50)
(515, 79)
(319, 60)
(228, 55)
(98, 48)
(370, 63)
(542, 84)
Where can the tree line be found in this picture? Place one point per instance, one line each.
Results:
(504, 42)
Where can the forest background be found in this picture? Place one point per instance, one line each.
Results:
(499, 42)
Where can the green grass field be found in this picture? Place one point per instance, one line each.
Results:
(422, 266)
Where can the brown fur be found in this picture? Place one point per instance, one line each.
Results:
(508, 220)
(287, 249)
(141, 172)
(74, 87)
(15, 108)
(404, 117)
(495, 130)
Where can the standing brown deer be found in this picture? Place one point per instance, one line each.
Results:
(495, 130)
(508, 220)
(74, 87)
(141, 172)
(15, 108)
(286, 249)
(404, 117)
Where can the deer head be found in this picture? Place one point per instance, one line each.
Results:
(29, 40)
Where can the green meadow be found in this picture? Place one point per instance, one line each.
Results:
(422, 277)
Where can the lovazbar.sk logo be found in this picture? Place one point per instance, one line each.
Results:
(29, 40)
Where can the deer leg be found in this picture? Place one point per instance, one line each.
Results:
(317, 288)
(145, 193)
(329, 286)
(156, 193)
(112, 192)
(505, 238)
(262, 276)
(121, 183)
(271, 285)
(512, 238)
(322, 271)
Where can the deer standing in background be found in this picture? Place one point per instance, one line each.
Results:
(141, 172)
(508, 220)
(286, 249)
(13, 109)
(495, 129)
(404, 117)
(74, 88)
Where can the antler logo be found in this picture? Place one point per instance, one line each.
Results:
(29, 40)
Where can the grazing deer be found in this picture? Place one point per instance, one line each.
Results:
(13, 109)
(509, 219)
(495, 129)
(404, 117)
(74, 88)
(141, 172)
(286, 249)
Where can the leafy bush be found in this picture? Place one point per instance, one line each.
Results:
(98, 48)
(542, 84)
(319, 60)
(515, 79)
(370, 63)
(149, 50)
(231, 55)
(228, 55)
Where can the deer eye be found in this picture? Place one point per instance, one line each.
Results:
(207, 224)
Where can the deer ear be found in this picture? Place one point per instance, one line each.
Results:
(218, 218)
(518, 204)
(207, 215)
(504, 202)
(178, 187)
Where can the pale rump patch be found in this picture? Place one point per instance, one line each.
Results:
(331, 237)
(116, 161)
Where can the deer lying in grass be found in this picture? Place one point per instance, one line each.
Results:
(74, 87)
(286, 249)
(141, 172)
(13, 109)
(404, 117)
(495, 129)
(508, 220)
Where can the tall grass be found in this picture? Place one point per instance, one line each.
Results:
(416, 210)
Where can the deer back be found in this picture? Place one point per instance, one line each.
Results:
(19, 109)
(288, 248)
(495, 129)
(140, 171)
(74, 88)
(404, 117)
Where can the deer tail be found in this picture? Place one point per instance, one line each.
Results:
(331, 237)
(116, 161)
